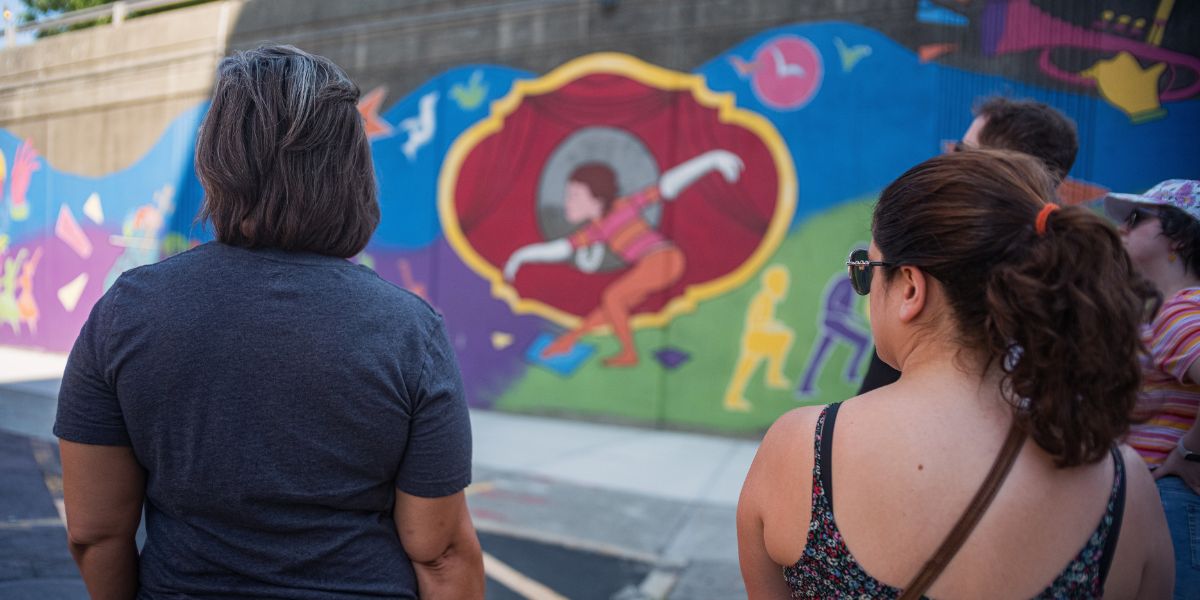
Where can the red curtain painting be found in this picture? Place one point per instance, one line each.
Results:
(717, 225)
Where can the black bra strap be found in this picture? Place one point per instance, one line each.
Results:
(826, 458)
(1114, 531)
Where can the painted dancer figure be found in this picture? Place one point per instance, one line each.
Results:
(765, 338)
(10, 311)
(653, 262)
(839, 324)
(27, 308)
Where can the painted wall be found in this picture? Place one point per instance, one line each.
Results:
(740, 186)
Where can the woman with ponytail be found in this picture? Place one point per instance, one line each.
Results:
(991, 469)
(1161, 230)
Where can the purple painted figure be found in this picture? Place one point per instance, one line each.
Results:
(839, 323)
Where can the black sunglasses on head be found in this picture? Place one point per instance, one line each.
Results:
(860, 267)
(1139, 215)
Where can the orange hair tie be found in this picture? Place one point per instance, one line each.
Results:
(1040, 226)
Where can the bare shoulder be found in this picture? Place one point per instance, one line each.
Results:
(1141, 495)
(785, 450)
(776, 499)
(791, 433)
(1142, 505)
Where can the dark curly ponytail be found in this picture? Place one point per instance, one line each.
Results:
(1058, 309)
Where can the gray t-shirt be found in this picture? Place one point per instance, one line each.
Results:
(276, 400)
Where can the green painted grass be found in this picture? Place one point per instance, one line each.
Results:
(690, 396)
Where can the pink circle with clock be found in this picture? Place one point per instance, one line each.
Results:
(787, 72)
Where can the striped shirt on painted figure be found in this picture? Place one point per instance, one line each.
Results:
(624, 228)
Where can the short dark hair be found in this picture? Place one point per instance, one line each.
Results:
(1030, 127)
(283, 155)
(1064, 293)
(600, 179)
(1184, 232)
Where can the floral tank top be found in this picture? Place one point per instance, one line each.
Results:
(828, 570)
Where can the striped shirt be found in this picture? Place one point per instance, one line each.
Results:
(624, 228)
(1169, 396)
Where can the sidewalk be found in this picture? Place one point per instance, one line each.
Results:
(663, 500)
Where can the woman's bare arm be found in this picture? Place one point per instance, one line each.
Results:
(103, 487)
(440, 539)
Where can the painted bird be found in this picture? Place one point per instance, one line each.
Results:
(421, 127)
(471, 95)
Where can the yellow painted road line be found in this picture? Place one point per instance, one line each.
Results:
(61, 507)
(43, 455)
(517, 581)
(480, 488)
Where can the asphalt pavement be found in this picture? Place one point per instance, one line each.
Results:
(564, 509)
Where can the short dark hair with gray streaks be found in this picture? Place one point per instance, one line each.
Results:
(283, 155)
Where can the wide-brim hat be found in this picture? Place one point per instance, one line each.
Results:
(1183, 194)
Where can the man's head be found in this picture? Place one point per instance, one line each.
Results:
(1025, 126)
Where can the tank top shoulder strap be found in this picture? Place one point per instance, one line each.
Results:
(822, 455)
(1117, 507)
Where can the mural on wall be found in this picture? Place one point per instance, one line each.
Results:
(616, 240)
(579, 202)
(65, 238)
(1117, 49)
(550, 202)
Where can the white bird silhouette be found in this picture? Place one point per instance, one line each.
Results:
(782, 67)
(421, 127)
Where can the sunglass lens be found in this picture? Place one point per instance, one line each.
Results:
(860, 275)
(862, 280)
(1137, 216)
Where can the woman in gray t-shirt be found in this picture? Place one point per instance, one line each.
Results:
(292, 425)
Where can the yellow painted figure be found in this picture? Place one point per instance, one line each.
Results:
(765, 338)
